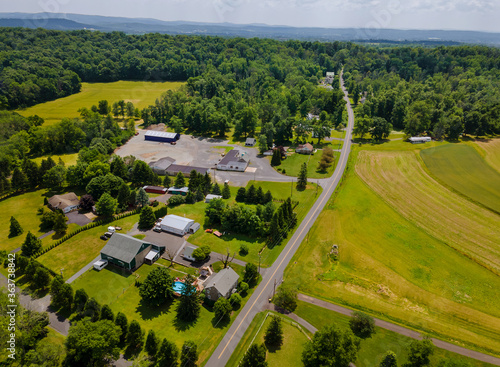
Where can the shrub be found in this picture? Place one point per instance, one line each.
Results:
(243, 250)
(176, 200)
(235, 300)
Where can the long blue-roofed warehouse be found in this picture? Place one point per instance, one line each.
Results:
(161, 136)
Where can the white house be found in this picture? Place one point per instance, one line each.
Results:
(420, 139)
(177, 225)
(232, 162)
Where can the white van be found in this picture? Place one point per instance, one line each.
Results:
(100, 264)
(111, 229)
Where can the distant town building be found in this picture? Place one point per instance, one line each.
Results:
(166, 166)
(250, 142)
(305, 149)
(161, 136)
(420, 139)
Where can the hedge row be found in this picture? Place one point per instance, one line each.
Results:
(84, 228)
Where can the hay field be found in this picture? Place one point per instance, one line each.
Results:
(492, 152)
(399, 178)
(462, 168)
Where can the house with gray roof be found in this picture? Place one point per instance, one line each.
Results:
(221, 284)
(129, 252)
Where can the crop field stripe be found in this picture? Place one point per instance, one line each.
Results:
(402, 182)
(462, 168)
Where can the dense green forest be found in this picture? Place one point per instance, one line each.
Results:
(247, 87)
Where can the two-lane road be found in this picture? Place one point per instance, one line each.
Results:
(275, 273)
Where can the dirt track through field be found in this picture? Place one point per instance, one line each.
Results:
(400, 180)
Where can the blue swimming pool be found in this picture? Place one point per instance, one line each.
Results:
(178, 287)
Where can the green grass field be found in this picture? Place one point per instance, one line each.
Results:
(463, 169)
(373, 349)
(110, 286)
(491, 149)
(289, 354)
(293, 163)
(140, 93)
(68, 159)
(232, 242)
(396, 270)
(81, 249)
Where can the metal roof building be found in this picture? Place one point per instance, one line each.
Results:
(175, 224)
(161, 136)
(128, 252)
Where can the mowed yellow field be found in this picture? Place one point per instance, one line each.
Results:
(492, 150)
(140, 93)
(399, 178)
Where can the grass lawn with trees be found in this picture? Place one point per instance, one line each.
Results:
(140, 93)
(68, 159)
(394, 269)
(233, 241)
(462, 168)
(373, 349)
(121, 294)
(293, 162)
(289, 354)
(82, 248)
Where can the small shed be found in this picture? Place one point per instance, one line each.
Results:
(155, 189)
(221, 284)
(178, 191)
(188, 253)
(211, 197)
(67, 202)
(250, 142)
(175, 224)
(161, 136)
(305, 149)
(420, 139)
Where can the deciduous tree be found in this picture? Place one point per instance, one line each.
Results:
(157, 287)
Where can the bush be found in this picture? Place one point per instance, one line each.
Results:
(176, 200)
(243, 250)
(201, 253)
(235, 300)
(362, 325)
(243, 288)
(222, 308)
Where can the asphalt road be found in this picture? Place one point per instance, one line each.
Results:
(274, 274)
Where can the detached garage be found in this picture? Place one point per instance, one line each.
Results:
(177, 225)
(161, 136)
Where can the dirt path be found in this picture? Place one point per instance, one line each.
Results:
(405, 331)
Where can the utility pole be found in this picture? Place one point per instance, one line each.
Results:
(259, 262)
(274, 291)
(291, 189)
(62, 273)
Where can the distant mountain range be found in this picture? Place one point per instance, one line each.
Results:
(62, 21)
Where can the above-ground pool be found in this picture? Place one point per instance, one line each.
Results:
(178, 287)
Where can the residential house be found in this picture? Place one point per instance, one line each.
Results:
(305, 149)
(221, 284)
(67, 202)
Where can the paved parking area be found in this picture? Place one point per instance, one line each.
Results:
(75, 217)
(171, 241)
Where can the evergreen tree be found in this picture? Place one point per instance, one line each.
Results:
(254, 357)
(259, 196)
(168, 354)
(123, 197)
(31, 245)
(106, 313)
(276, 158)
(19, 180)
(302, 179)
(188, 308)
(274, 332)
(216, 189)
(66, 296)
(207, 183)
(241, 195)
(135, 335)
(32, 171)
(122, 322)
(55, 290)
(194, 181)
(92, 309)
(141, 198)
(118, 167)
(268, 197)
(180, 181)
(41, 279)
(166, 181)
(81, 298)
(189, 354)
(250, 195)
(15, 228)
(60, 226)
(226, 191)
(190, 198)
(152, 343)
(147, 218)
(199, 195)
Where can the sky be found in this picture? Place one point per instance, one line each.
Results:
(481, 15)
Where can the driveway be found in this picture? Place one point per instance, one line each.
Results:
(171, 241)
(75, 217)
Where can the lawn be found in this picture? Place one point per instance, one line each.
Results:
(373, 349)
(68, 159)
(462, 168)
(140, 93)
(120, 292)
(401, 180)
(289, 354)
(81, 249)
(491, 147)
(232, 242)
(293, 163)
(396, 270)
(24, 208)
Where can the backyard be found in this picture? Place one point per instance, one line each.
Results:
(292, 164)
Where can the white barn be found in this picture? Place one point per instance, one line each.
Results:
(420, 139)
(177, 225)
(232, 162)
